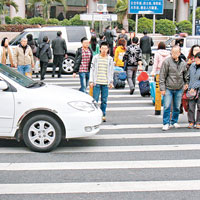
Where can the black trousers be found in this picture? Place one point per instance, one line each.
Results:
(191, 111)
(57, 62)
(111, 49)
(43, 68)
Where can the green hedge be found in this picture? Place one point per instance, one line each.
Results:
(36, 20)
(53, 21)
(145, 24)
(185, 27)
(165, 27)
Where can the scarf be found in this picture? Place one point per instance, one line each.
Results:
(3, 60)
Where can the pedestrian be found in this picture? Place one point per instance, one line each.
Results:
(173, 78)
(132, 58)
(159, 57)
(82, 64)
(132, 35)
(109, 39)
(23, 58)
(6, 53)
(146, 43)
(101, 76)
(193, 51)
(44, 54)
(123, 35)
(193, 88)
(33, 44)
(101, 39)
(59, 53)
(94, 46)
(114, 30)
(92, 31)
(119, 53)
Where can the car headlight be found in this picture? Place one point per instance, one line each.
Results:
(82, 106)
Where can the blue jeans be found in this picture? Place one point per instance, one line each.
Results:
(23, 69)
(104, 96)
(84, 80)
(174, 96)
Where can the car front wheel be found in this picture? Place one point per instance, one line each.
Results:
(42, 133)
(68, 65)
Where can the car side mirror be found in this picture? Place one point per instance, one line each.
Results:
(3, 85)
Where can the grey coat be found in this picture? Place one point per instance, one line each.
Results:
(59, 46)
(173, 75)
(94, 69)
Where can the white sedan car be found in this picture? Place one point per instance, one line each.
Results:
(43, 114)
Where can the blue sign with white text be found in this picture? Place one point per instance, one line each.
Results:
(146, 6)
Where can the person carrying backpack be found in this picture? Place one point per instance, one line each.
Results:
(132, 58)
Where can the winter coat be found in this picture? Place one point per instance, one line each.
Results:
(133, 55)
(109, 36)
(44, 52)
(146, 43)
(59, 46)
(124, 36)
(194, 77)
(78, 59)
(119, 54)
(21, 58)
(159, 57)
(173, 75)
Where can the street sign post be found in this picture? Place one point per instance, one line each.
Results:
(146, 7)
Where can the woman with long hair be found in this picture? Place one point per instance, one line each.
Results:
(119, 52)
(193, 51)
(6, 53)
(94, 46)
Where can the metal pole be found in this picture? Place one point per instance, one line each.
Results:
(174, 11)
(194, 16)
(154, 24)
(136, 24)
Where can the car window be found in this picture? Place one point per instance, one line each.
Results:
(17, 39)
(16, 76)
(75, 34)
(50, 34)
(192, 41)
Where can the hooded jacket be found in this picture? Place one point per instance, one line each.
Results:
(119, 54)
(44, 52)
(159, 57)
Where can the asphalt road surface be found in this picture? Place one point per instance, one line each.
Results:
(130, 158)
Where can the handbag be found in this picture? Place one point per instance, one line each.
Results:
(192, 95)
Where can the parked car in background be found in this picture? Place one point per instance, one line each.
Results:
(32, 111)
(71, 34)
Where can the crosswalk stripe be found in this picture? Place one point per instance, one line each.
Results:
(103, 149)
(134, 126)
(130, 101)
(99, 187)
(144, 136)
(99, 165)
(130, 108)
(123, 96)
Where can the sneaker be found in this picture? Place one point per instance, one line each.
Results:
(104, 119)
(191, 125)
(198, 126)
(165, 127)
(175, 125)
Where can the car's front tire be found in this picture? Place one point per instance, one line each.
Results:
(42, 133)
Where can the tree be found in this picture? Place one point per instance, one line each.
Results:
(3, 10)
(122, 12)
(46, 5)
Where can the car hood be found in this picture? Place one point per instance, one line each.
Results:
(60, 93)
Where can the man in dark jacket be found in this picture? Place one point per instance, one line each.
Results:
(44, 54)
(123, 35)
(82, 64)
(173, 79)
(59, 52)
(109, 35)
(146, 43)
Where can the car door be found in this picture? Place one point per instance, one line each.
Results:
(7, 110)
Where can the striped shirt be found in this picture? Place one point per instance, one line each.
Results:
(86, 55)
(102, 77)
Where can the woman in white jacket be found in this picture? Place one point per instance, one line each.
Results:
(6, 53)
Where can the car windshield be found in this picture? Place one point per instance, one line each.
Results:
(16, 76)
